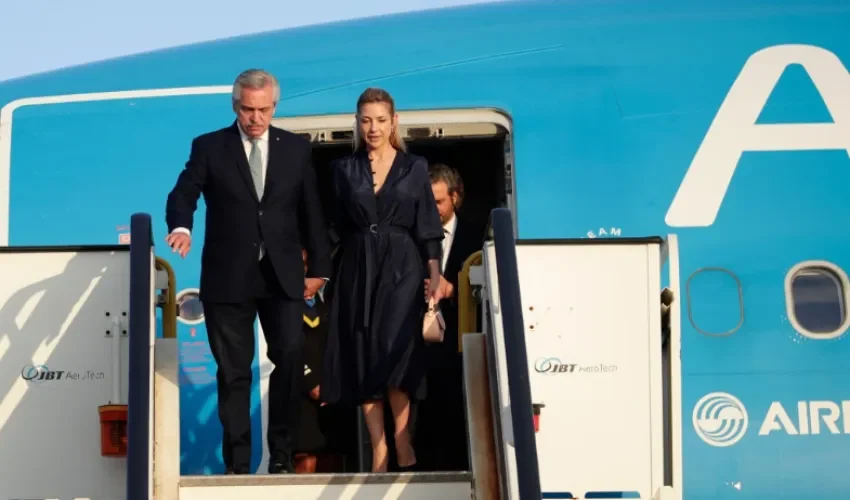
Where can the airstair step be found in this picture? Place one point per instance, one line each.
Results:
(408, 486)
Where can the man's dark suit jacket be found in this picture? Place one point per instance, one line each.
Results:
(237, 221)
(468, 239)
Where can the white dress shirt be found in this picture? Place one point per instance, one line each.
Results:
(246, 144)
(448, 236)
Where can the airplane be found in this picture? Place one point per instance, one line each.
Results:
(725, 123)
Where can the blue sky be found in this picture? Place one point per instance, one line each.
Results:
(41, 35)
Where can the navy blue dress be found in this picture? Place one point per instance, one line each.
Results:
(386, 239)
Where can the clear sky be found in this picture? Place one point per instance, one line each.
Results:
(41, 35)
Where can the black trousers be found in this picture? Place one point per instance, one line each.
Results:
(442, 440)
(230, 328)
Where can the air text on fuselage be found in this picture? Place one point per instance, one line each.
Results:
(735, 130)
(810, 417)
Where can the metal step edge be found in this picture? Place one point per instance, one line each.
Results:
(325, 479)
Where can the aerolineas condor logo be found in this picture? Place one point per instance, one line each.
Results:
(720, 419)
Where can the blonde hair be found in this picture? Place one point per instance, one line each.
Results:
(376, 95)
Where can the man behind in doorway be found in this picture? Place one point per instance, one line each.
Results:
(441, 437)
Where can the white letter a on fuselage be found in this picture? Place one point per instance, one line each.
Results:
(734, 129)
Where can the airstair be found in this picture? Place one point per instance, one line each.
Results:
(571, 378)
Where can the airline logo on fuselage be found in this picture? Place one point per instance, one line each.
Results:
(720, 419)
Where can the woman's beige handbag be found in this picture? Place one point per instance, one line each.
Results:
(434, 326)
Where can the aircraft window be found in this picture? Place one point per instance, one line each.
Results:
(816, 299)
(189, 307)
(715, 301)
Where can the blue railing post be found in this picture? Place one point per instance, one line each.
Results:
(525, 443)
(139, 401)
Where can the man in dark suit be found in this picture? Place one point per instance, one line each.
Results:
(262, 208)
(442, 434)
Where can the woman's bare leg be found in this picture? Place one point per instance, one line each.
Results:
(373, 412)
(400, 405)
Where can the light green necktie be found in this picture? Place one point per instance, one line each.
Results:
(255, 161)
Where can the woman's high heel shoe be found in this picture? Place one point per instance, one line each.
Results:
(414, 467)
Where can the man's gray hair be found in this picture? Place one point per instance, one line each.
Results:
(255, 79)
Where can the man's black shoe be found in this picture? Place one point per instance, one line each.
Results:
(281, 463)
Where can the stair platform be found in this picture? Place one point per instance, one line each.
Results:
(408, 486)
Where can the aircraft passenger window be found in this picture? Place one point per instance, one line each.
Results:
(189, 307)
(715, 301)
(816, 299)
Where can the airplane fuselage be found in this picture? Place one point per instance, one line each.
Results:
(724, 123)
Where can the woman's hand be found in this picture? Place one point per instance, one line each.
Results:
(316, 394)
(441, 290)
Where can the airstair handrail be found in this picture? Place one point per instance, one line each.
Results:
(466, 304)
(510, 304)
(169, 305)
(140, 373)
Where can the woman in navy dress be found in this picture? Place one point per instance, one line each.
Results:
(390, 241)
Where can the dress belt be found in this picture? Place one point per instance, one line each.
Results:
(384, 228)
(370, 264)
